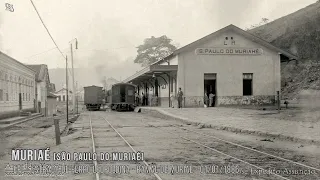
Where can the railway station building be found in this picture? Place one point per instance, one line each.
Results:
(236, 66)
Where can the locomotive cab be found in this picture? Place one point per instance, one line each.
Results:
(123, 94)
(123, 97)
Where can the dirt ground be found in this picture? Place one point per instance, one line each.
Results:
(294, 124)
(299, 113)
(36, 132)
(161, 148)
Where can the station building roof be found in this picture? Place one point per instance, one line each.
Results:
(154, 68)
(236, 29)
(149, 71)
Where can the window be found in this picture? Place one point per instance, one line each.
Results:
(64, 98)
(247, 84)
(130, 92)
(7, 97)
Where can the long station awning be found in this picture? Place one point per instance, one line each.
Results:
(148, 72)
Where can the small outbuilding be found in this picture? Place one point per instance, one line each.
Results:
(52, 104)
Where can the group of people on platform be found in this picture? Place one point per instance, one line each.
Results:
(209, 101)
(143, 99)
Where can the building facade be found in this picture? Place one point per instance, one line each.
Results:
(17, 86)
(62, 95)
(42, 87)
(238, 68)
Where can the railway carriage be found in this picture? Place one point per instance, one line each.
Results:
(122, 97)
(93, 96)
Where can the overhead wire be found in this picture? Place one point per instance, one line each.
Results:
(41, 52)
(57, 47)
(80, 50)
(47, 29)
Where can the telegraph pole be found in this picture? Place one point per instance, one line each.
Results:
(67, 89)
(73, 85)
(73, 88)
(77, 97)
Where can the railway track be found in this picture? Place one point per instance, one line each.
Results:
(247, 161)
(265, 163)
(262, 164)
(10, 125)
(99, 175)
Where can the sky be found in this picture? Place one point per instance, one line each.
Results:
(108, 31)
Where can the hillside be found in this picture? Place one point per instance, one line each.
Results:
(298, 33)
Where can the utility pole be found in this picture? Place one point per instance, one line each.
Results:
(77, 96)
(67, 89)
(73, 89)
(73, 85)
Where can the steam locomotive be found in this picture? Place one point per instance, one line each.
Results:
(121, 97)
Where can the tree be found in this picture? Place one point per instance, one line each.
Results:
(154, 49)
(262, 22)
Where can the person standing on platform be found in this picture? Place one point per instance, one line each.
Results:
(211, 96)
(142, 99)
(206, 99)
(103, 103)
(180, 95)
(172, 100)
(136, 98)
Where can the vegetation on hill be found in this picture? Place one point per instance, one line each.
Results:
(298, 33)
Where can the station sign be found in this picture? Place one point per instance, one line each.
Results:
(229, 51)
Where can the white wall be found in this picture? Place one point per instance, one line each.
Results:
(229, 69)
(10, 73)
(64, 93)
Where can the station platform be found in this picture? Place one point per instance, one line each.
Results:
(292, 124)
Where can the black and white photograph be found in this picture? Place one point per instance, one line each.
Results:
(160, 89)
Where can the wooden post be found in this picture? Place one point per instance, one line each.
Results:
(278, 99)
(67, 100)
(169, 89)
(57, 129)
